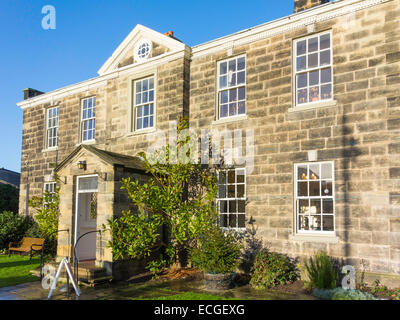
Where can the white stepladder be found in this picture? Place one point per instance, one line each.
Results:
(64, 262)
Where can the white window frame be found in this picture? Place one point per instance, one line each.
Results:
(228, 88)
(50, 187)
(308, 70)
(244, 198)
(51, 125)
(148, 103)
(88, 119)
(297, 198)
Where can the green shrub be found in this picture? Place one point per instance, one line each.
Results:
(13, 228)
(217, 251)
(320, 272)
(342, 294)
(271, 269)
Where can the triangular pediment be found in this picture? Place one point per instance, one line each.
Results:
(149, 43)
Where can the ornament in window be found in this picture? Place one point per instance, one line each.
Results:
(142, 50)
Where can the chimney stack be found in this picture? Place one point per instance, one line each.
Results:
(30, 93)
(300, 5)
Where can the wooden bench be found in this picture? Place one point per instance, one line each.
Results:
(27, 245)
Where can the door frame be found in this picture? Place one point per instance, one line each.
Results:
(77, 201)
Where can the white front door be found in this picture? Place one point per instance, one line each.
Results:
(86, 217)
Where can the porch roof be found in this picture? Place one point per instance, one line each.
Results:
(108, 156)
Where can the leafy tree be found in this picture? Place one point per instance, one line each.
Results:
(13, 227)
(8, 198)
(47, 211)
(177, 198)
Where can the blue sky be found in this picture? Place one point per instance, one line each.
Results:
(87, 32)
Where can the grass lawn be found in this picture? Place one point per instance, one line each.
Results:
(14, 270)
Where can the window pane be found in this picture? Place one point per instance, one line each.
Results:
(314, 171)
(302, 95)
(232, 95)
(232, 206)
(224, 220)
(231, 176)
(302, 80)
(301, 63)
(89, 183)
(240, 191)
(315, 206)
(138, 86)
(326, 188)
(145, 85)
(314, 94)
(314, 189)
(301, 47)
(232, 79)
(241, 107)
(151, 96)
(303, 206)
(151, 121)
(326, 171)
(327, 206)
(224, 97)
(241, 63)
(145, 122)
(325, 58)
(326, 75)
(328, 223)
(224, 111)
(223, 68)
(241, 206)
(140, 123)
(222, 177)
(223, 206)
(314, 78)
(222, 191)
(232, 220)
(232, 65)
(315, 223)
(302, 189)
(146, 110)
(138, 98)
(223, 82)
(326, 91)
(241, 77)
(242, 93)
(325, 41)
(231, 191)
(302, 173)
(303, 223)
(241, 221)
(313, 60)
(232, 109)
(145, 97)
(313, 44)
(151, 83)
(240, 176)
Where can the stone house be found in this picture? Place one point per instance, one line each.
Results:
(318, 91)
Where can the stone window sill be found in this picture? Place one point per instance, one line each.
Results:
(310, 106)
(140, 132)
(331, 238)
(50, 149)
(231, 119)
